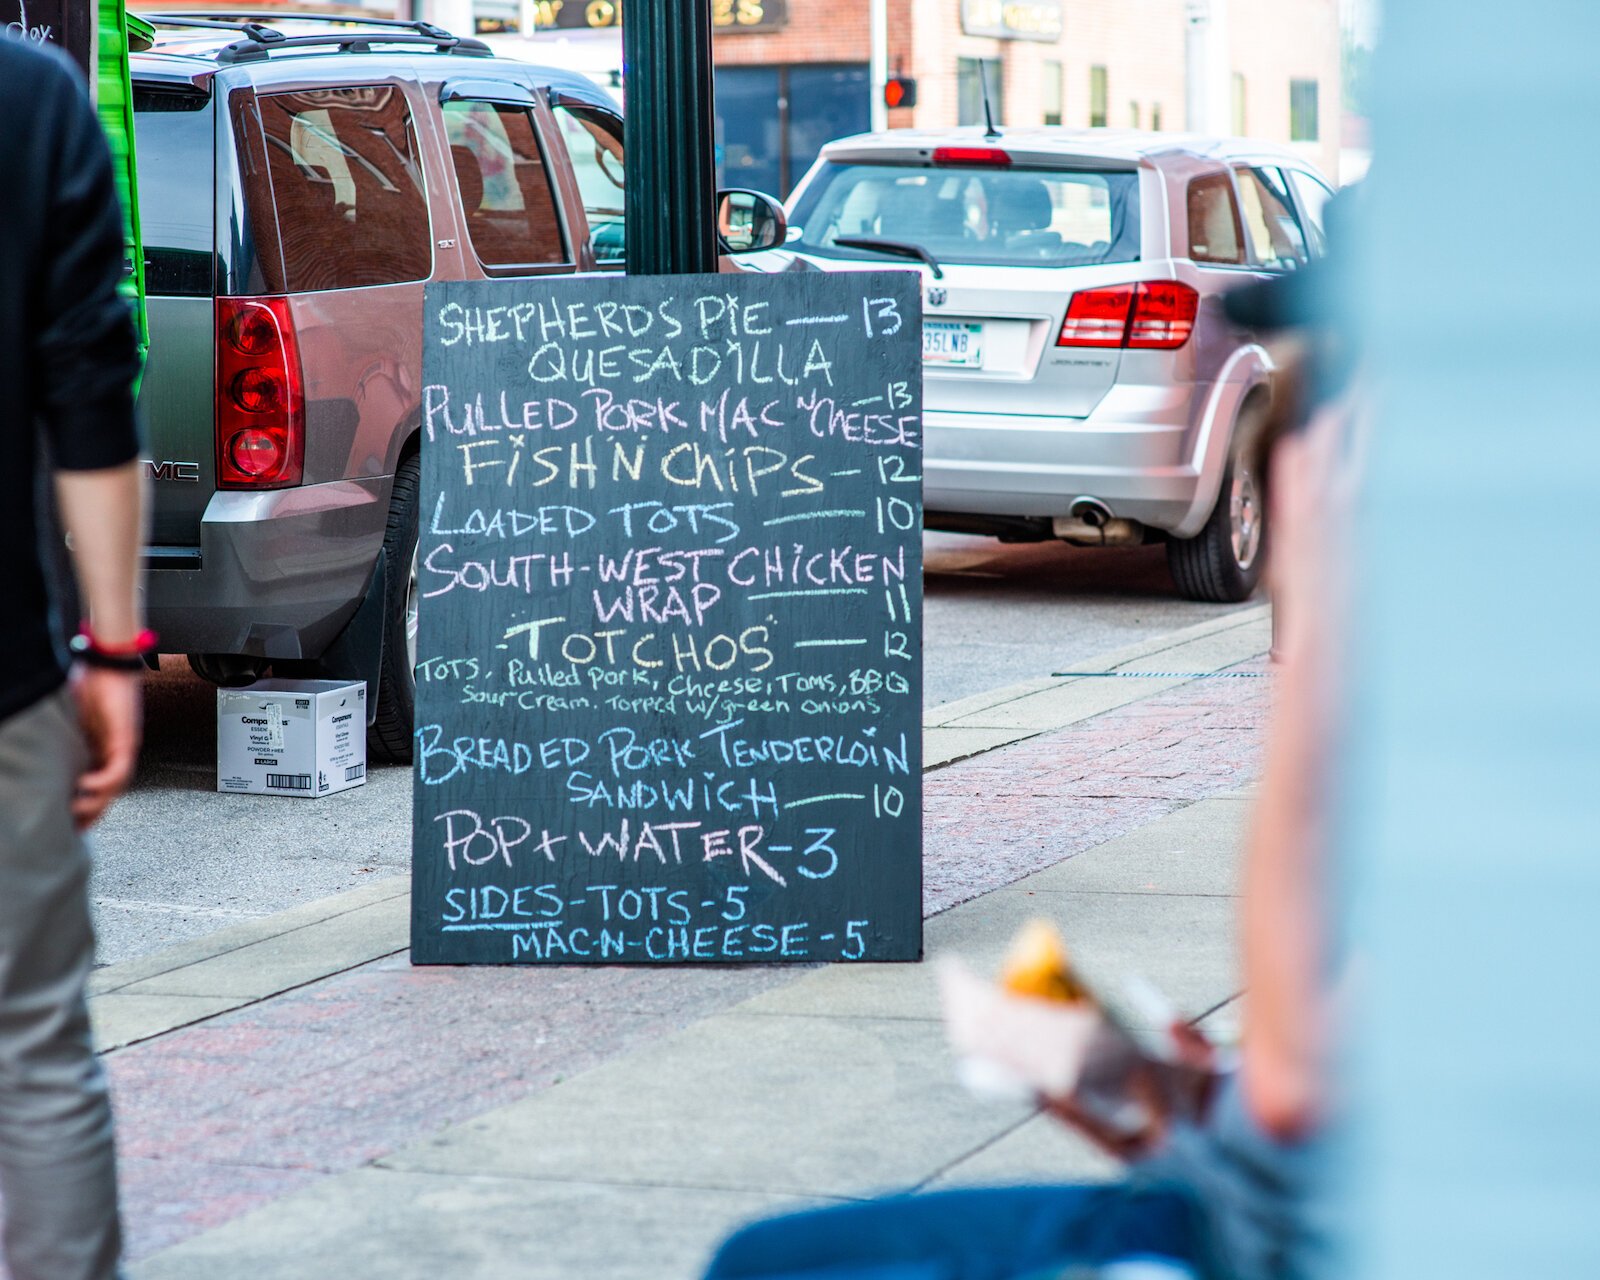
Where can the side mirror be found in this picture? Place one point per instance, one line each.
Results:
(748, 221)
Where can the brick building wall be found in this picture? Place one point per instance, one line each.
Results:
(1273, 42)
(1140, 43)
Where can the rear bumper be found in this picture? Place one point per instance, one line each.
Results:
(1014, 465)
(276, 575)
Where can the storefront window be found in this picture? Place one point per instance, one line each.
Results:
(970, 76)
(773, 121)
(824, 103)
(749, 129)
(1051, 93)
(1303, 111)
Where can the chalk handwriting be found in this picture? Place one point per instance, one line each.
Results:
(668, 671)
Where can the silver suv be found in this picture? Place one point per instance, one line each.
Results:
(1080, 379)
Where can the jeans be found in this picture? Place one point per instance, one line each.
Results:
(57, 1163)
(1120, 1231)
(1222, 1201)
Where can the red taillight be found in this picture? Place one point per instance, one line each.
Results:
(252, 331)
(255, 453)
(260, 395)
(1163, 315)
(1097, 318)
(257, 390)
(991, 156)
(1157, 315)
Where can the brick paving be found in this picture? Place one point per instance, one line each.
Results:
(993, 819)
(219, 1118)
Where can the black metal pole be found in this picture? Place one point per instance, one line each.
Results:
(668, 132)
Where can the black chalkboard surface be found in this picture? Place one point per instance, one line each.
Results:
(669, 682)
(67, 24)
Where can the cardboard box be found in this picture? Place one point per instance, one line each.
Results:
(292, 737)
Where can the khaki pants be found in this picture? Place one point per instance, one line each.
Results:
(57, 1164)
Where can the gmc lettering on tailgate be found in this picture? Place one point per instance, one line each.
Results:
(184, 472)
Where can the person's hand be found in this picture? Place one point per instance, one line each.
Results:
(109, 705)
(1116, 1141)
(1191, 1050)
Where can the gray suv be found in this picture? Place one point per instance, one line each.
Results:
(299, 185)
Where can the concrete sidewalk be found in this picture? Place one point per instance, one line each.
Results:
(295, 1100)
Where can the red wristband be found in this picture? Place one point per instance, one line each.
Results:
(127, 658)
(89, 643)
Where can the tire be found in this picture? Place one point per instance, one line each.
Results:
(1222, 563)
(389, 737)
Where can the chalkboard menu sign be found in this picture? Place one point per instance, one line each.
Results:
(68, 24)
(669, 673)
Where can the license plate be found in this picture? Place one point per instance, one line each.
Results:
(959, 346)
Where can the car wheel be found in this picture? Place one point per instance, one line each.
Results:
(1222, 563)
(389, 737)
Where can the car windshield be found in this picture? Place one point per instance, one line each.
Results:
(978, 215)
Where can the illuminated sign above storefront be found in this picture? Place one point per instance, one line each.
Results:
(598, 15)
(1012, 19)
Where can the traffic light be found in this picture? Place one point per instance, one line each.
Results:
(900, 91)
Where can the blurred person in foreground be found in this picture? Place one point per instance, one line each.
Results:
(1241, 1195)
(68, 740)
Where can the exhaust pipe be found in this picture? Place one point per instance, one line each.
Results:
(1091, 524)
(1091, 511)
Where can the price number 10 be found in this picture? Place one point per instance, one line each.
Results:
(887, 801)
(896, 513)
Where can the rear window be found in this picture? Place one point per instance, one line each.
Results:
(1215, 232)
(1314, 199)
(174, 141)
(347, 189)
(505, 191)
(978, 215)
(1275, 232)
(595, 149)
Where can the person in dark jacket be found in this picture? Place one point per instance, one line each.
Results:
(69, 732)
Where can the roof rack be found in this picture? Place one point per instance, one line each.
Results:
(260, 40)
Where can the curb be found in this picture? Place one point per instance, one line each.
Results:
(971, 726)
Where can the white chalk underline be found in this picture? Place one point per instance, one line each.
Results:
(813, 515)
